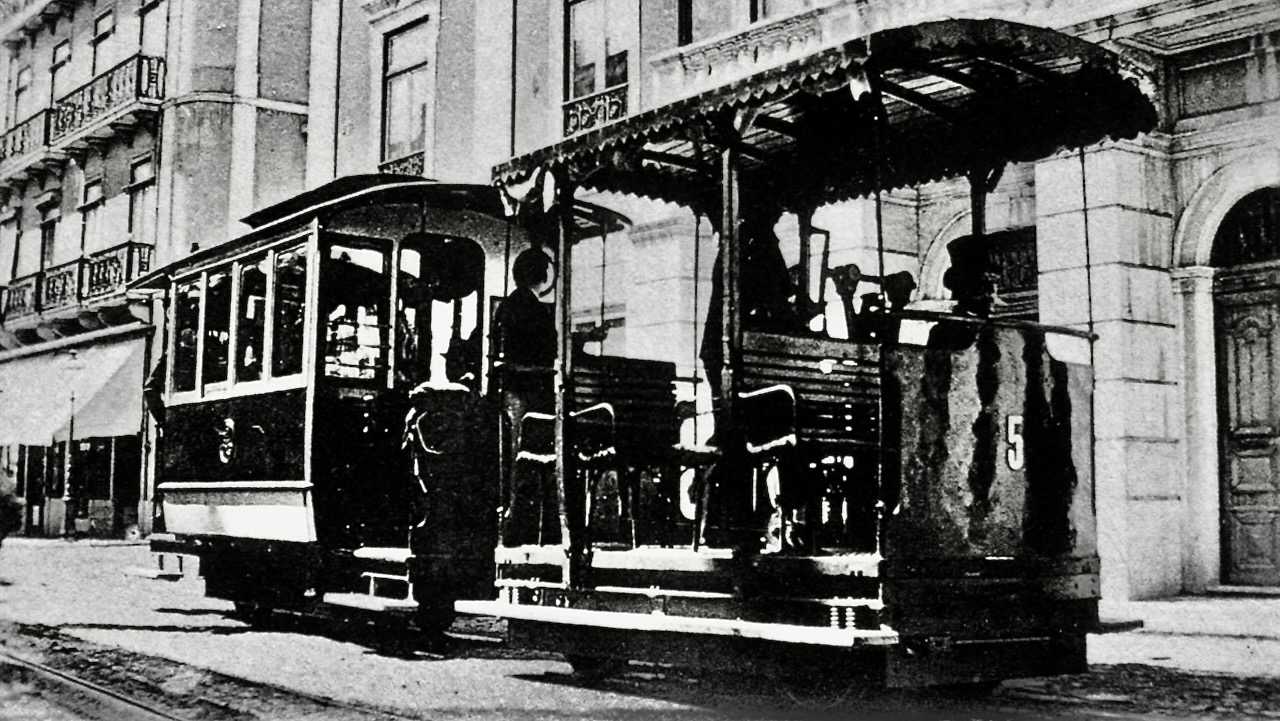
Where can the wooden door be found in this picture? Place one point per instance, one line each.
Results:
(1248, 330)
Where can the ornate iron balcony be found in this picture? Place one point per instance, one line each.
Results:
(20, 297)
(59, 287)
(413, 164)
(110, 271)
(136, 80)
(25, 138)
(592, 111)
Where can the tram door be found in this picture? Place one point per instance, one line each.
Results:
(1247, 303)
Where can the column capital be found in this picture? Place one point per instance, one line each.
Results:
(1192, 279)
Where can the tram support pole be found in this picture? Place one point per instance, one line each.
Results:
(572, 492)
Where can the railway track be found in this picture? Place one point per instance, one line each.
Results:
(83, 698)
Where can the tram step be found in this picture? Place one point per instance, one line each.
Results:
(388, 585)
(364, 602)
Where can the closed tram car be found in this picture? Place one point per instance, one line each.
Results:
(323, 441)
(907, 501)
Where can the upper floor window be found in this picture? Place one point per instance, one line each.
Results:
(602, 34)
(702, 19)
(151, 31)
(91, 213)
(59, 70)
(407, 91)
(48, 239)
(10, 240)
(142, 202)
(22, 94)
(106, 42)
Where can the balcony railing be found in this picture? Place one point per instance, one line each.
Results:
(592, 111)
(111, 270)
(20, 297)
(59, 285)
(412, 164)
(139, 78)
(26, 137)
(80, 281)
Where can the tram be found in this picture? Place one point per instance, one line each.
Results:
(906, 502)
(324, 443)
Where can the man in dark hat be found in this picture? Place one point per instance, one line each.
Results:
(972, 282)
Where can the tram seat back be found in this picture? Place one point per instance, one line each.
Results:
(817, 394)
(641, 395)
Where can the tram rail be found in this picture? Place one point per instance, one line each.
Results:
(85, 697)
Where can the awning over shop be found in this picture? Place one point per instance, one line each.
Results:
(958, 96)
(95, 388)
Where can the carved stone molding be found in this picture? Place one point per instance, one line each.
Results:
(1192, 279)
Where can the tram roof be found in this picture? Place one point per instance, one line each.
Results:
(958, 94)
(348, 191)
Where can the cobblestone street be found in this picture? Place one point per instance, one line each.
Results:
(72, 605)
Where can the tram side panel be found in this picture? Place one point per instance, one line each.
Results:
(990, 564)
(235, 492)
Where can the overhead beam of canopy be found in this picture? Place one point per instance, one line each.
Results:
(957, 94)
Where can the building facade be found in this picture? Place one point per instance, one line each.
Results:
(138, 130)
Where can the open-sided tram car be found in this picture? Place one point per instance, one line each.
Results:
(910, 503)
(324, 444)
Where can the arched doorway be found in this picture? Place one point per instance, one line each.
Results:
(1246, 252)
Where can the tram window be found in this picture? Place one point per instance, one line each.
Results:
(251, 322)
(186, 326)
(438, 309)
(413, 318)
(217, 326)
(356, 295)
(288, 329)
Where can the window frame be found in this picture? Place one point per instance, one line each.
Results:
(90, 209)
(269, 382)
(58, 65)
(570, 70)
(386, 77)
(101, 37)
(22, 80)
(137, 190)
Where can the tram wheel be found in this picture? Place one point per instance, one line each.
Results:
(588, 667)
(821, 693)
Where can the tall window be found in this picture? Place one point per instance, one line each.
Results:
(288, 313)
(217, 326)
(602, 33)
(10, 239)
(106, 42)
(91, 214)
(21, 94)
(186, 330)
(251, 324)
(60, 70)
(48, 239)
(151, 33)
(407, 87)
(142, 202)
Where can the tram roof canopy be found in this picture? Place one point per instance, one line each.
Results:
(383, 188)
(959, 95)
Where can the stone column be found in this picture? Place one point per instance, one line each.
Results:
(1201, 541)
(1138, 472)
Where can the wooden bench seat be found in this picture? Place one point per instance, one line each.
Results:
(816, 394)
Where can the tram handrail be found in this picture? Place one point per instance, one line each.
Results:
(942, 316)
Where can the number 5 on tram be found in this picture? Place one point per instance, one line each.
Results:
(324, 443)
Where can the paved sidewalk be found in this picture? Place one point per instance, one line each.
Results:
(1214, 634)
